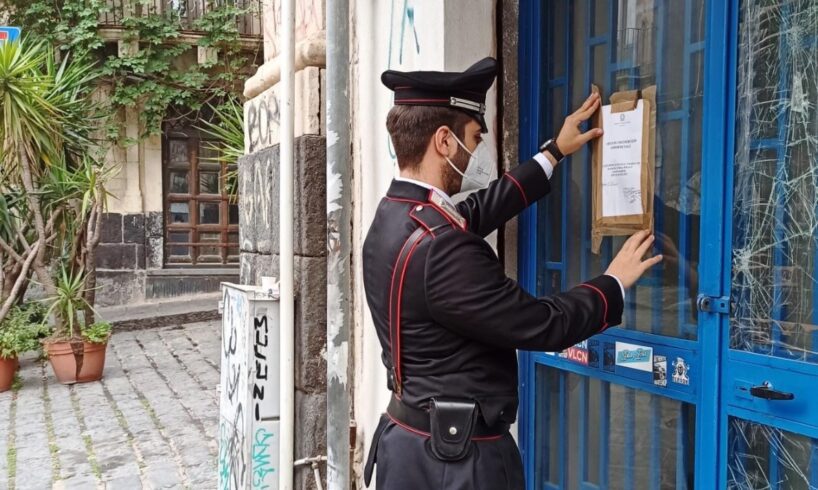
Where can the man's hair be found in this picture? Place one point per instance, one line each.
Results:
(411, 128)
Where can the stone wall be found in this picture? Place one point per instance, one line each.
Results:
(130, 266)
(122, 259)
(259, 239)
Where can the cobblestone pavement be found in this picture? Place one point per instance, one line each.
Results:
(150, 423)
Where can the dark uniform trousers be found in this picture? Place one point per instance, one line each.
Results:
(450, 321)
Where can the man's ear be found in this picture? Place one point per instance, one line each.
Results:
(442, 143)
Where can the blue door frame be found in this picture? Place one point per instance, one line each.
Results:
(719, 47)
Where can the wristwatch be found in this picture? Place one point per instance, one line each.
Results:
(553, 149)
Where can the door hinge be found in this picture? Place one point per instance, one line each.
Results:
(713, 304)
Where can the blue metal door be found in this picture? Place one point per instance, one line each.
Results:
(638, 406)
(769, 419)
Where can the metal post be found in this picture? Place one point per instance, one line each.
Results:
(338, 244)
(287, 94)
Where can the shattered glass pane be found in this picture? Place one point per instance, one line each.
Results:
(775, 220)
(760, 456)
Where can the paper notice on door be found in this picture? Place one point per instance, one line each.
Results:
(622, 162)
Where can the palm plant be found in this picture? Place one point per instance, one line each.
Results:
(51, 179)
(226, 130)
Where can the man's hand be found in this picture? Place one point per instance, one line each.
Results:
(628, 265)
(571, 138)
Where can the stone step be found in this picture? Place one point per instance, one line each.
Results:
(176, 311)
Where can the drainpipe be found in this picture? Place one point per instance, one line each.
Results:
(287, 307)
(338, 244)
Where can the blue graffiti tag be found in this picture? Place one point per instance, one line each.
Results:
(261, 458)
(407, 15)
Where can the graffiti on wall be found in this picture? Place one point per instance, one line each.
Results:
(263, 119)
(262, 113)
(263, 464)
(309, 20)
(262, 453)
(232, 420)
(403, 37)
(261, 367)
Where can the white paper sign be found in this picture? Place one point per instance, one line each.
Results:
(622, 162)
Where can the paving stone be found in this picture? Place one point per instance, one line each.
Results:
(80, 482)
(71, 454)
(151, 421)
(125, 482)
(108, 439)
(5, 413)
(162, 475)
(31, 439)
(168, 409)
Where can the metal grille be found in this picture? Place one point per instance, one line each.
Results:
(589, 434)
(187, 11)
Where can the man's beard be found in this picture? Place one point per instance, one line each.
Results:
(452, 179)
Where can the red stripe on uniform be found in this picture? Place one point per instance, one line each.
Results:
(406, 427)
(522, 192)
(398, 199)
(400, 294)
(391, 284)
(422, 100)
(604, 301)
(445, 214)
(426, 434)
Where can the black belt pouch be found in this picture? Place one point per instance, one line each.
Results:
(452, 425)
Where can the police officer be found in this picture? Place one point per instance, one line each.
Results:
(447, 317)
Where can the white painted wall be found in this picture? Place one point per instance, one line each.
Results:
(402, 35)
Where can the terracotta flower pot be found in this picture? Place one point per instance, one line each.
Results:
(8, 366)
(90, 357)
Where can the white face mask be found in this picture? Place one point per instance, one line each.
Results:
(478, 171)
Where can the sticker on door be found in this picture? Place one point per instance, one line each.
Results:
(634, 356)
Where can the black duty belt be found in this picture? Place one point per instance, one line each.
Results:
(419, 420)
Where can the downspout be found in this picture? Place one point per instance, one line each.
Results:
(339, 247)
(287, 306)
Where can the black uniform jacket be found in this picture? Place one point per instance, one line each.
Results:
(460, 317)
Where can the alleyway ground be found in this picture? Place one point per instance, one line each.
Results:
(151, 422)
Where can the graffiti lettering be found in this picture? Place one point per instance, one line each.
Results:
(263, 119)
(261, 458)
(260, 327)
(232, 430)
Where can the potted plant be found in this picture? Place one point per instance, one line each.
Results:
(76, 349)
(20, 332)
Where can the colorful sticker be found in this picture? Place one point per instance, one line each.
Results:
(609, 357)
(634, 356)
(593, 353)
(680, 372)
(578, 353)
(660, 370)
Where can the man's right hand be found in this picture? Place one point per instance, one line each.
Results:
(628, 265)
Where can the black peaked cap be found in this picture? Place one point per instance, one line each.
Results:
(465, 91)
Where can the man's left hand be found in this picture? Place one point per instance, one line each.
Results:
(571, 138)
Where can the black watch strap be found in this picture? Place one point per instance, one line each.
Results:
(551, 147)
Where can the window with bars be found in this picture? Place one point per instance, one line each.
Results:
(201, 218)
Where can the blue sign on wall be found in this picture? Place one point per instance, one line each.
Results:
(9, 33)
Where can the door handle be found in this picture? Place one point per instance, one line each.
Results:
(767, 392)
